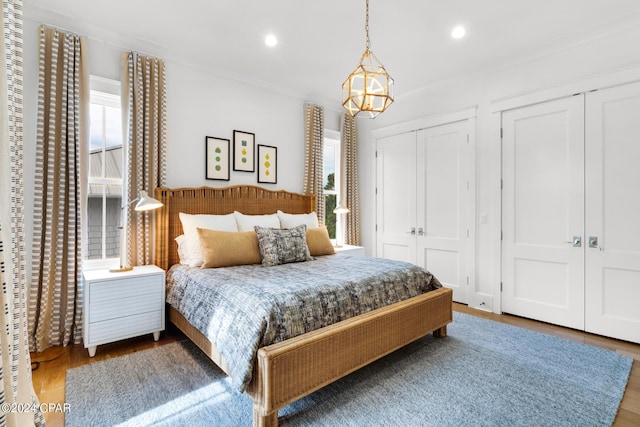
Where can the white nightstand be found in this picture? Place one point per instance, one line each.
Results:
(122, 305)
(351, 250)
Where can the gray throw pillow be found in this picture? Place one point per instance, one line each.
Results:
(281, 246)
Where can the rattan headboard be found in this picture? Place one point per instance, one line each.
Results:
(248, 199)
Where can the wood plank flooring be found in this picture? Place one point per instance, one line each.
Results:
(49, 377)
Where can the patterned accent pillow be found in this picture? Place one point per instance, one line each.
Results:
(282, 246)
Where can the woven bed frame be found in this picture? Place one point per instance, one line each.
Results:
(286, 371)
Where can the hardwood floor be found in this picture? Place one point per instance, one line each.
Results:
(49, 377)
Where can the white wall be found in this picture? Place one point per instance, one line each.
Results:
(616, 51)
(202, 104)
(199, 104)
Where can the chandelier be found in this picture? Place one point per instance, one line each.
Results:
(369, 88)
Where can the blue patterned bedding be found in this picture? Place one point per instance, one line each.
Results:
(241, 309)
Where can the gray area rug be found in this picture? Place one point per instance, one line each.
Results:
(483, 374)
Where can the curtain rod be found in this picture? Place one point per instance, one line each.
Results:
(110, 44)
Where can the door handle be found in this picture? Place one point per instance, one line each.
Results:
(593, 242)
(576, 241)
(420, 231)
(412, 232)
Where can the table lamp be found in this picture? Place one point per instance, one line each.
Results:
(145, 203)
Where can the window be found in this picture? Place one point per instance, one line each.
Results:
(105, 173)
(331, 161)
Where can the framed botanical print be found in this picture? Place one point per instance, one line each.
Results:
(218, 157)
(244, 144)
(267, 164)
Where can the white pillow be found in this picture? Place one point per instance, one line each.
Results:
(181, 240)
(294, 220)
(247, 222)
(190, 225)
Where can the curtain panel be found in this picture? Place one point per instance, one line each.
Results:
(314, 155)
(145, 127)
(15, 363)
(350, 189)
(55, 302)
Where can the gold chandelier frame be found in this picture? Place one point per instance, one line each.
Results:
(368, 90)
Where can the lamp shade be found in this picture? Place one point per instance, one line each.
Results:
(341, 210)
(147, 203)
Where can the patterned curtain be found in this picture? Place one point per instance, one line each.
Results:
(145, 126)
(15, 363)
(55, 302)
(349, 179)
(314, 155)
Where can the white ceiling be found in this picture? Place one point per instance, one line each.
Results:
(320, 42)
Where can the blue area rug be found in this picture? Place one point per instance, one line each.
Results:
(483, 374)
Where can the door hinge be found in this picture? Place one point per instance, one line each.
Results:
(501, 133)
(376, 227)
(467, 185)
(500, 235)
(500, 286)
(376, 191)
(467, 280)
(467, 233)
(376, 154)
(501, 184)
(467, 138)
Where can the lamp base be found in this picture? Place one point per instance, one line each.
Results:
(120, 269)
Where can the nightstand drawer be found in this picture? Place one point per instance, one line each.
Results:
(113, 308)
(102, 292)
(124, 327)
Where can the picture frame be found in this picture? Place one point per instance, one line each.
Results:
(244, 145)
(267, 164)
(218, 158)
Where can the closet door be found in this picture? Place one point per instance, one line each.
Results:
(442, 196)
(543, 212)
(613, 212)
(396, 197)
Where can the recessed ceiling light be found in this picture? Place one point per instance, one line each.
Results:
(271, 40)
(458, 32)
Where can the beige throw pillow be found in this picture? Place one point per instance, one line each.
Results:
(319, 242)
(228, 248)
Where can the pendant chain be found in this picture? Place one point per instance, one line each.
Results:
(366, 27)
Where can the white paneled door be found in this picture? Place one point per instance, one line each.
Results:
(571, 212)
(422, 202)
(613, 212)
(543, 212)
(396, 197)
(443, 217)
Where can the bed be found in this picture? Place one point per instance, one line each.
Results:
(288, 370)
